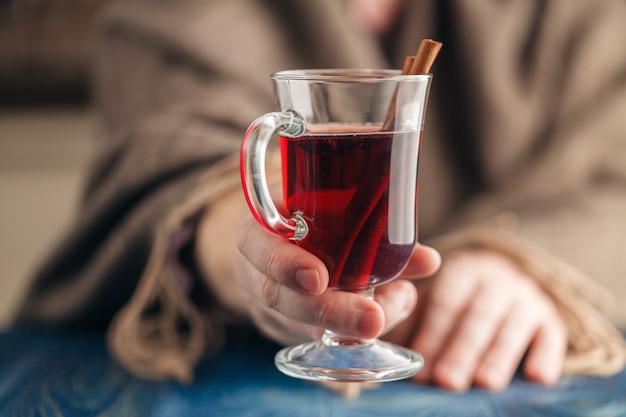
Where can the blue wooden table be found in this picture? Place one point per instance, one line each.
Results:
(45, 374)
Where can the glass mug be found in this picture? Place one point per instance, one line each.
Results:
(349, 142)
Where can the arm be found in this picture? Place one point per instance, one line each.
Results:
(170, 113)
(177, 84)
(554, 133)
(538, 126)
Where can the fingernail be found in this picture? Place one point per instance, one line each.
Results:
(454, 378)
(493, 379)
(543, 374)
(365, 322)
(308, 280)
(424, 374)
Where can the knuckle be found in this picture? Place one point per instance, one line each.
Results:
(272, 264)
(323, 315)
(243, 235)
(269, 261)
(440, 301)
(530, 294)
(270, 294)
(560, 332)
(482, 306)
(526, 288)
(554, 320)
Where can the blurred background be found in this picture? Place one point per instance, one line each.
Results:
(46, 131)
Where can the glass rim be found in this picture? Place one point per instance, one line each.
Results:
(346, 75)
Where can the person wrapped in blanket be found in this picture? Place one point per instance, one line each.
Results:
(522, 196)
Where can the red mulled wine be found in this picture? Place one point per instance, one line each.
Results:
(357, 192)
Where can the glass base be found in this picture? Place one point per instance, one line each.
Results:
(336, 358)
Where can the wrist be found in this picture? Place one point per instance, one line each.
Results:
(215, 251)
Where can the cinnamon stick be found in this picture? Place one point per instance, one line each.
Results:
(414, 65)
(408, 63)
(425, 57)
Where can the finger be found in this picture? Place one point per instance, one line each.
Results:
(270, 322)
(397, 299)
(446, 303)
(544, 362)
(424, 262)
(507, 349)
(455, 367)
(342, 312)
(281, 260)
(282, 329)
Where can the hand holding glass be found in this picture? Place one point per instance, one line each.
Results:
(349, 197)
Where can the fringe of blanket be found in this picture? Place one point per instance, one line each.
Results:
(160, 334)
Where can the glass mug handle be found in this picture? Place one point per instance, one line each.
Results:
(252, 165)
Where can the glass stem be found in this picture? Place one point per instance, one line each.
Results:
(330, 338)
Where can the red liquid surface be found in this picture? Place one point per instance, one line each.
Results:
(357, 193)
